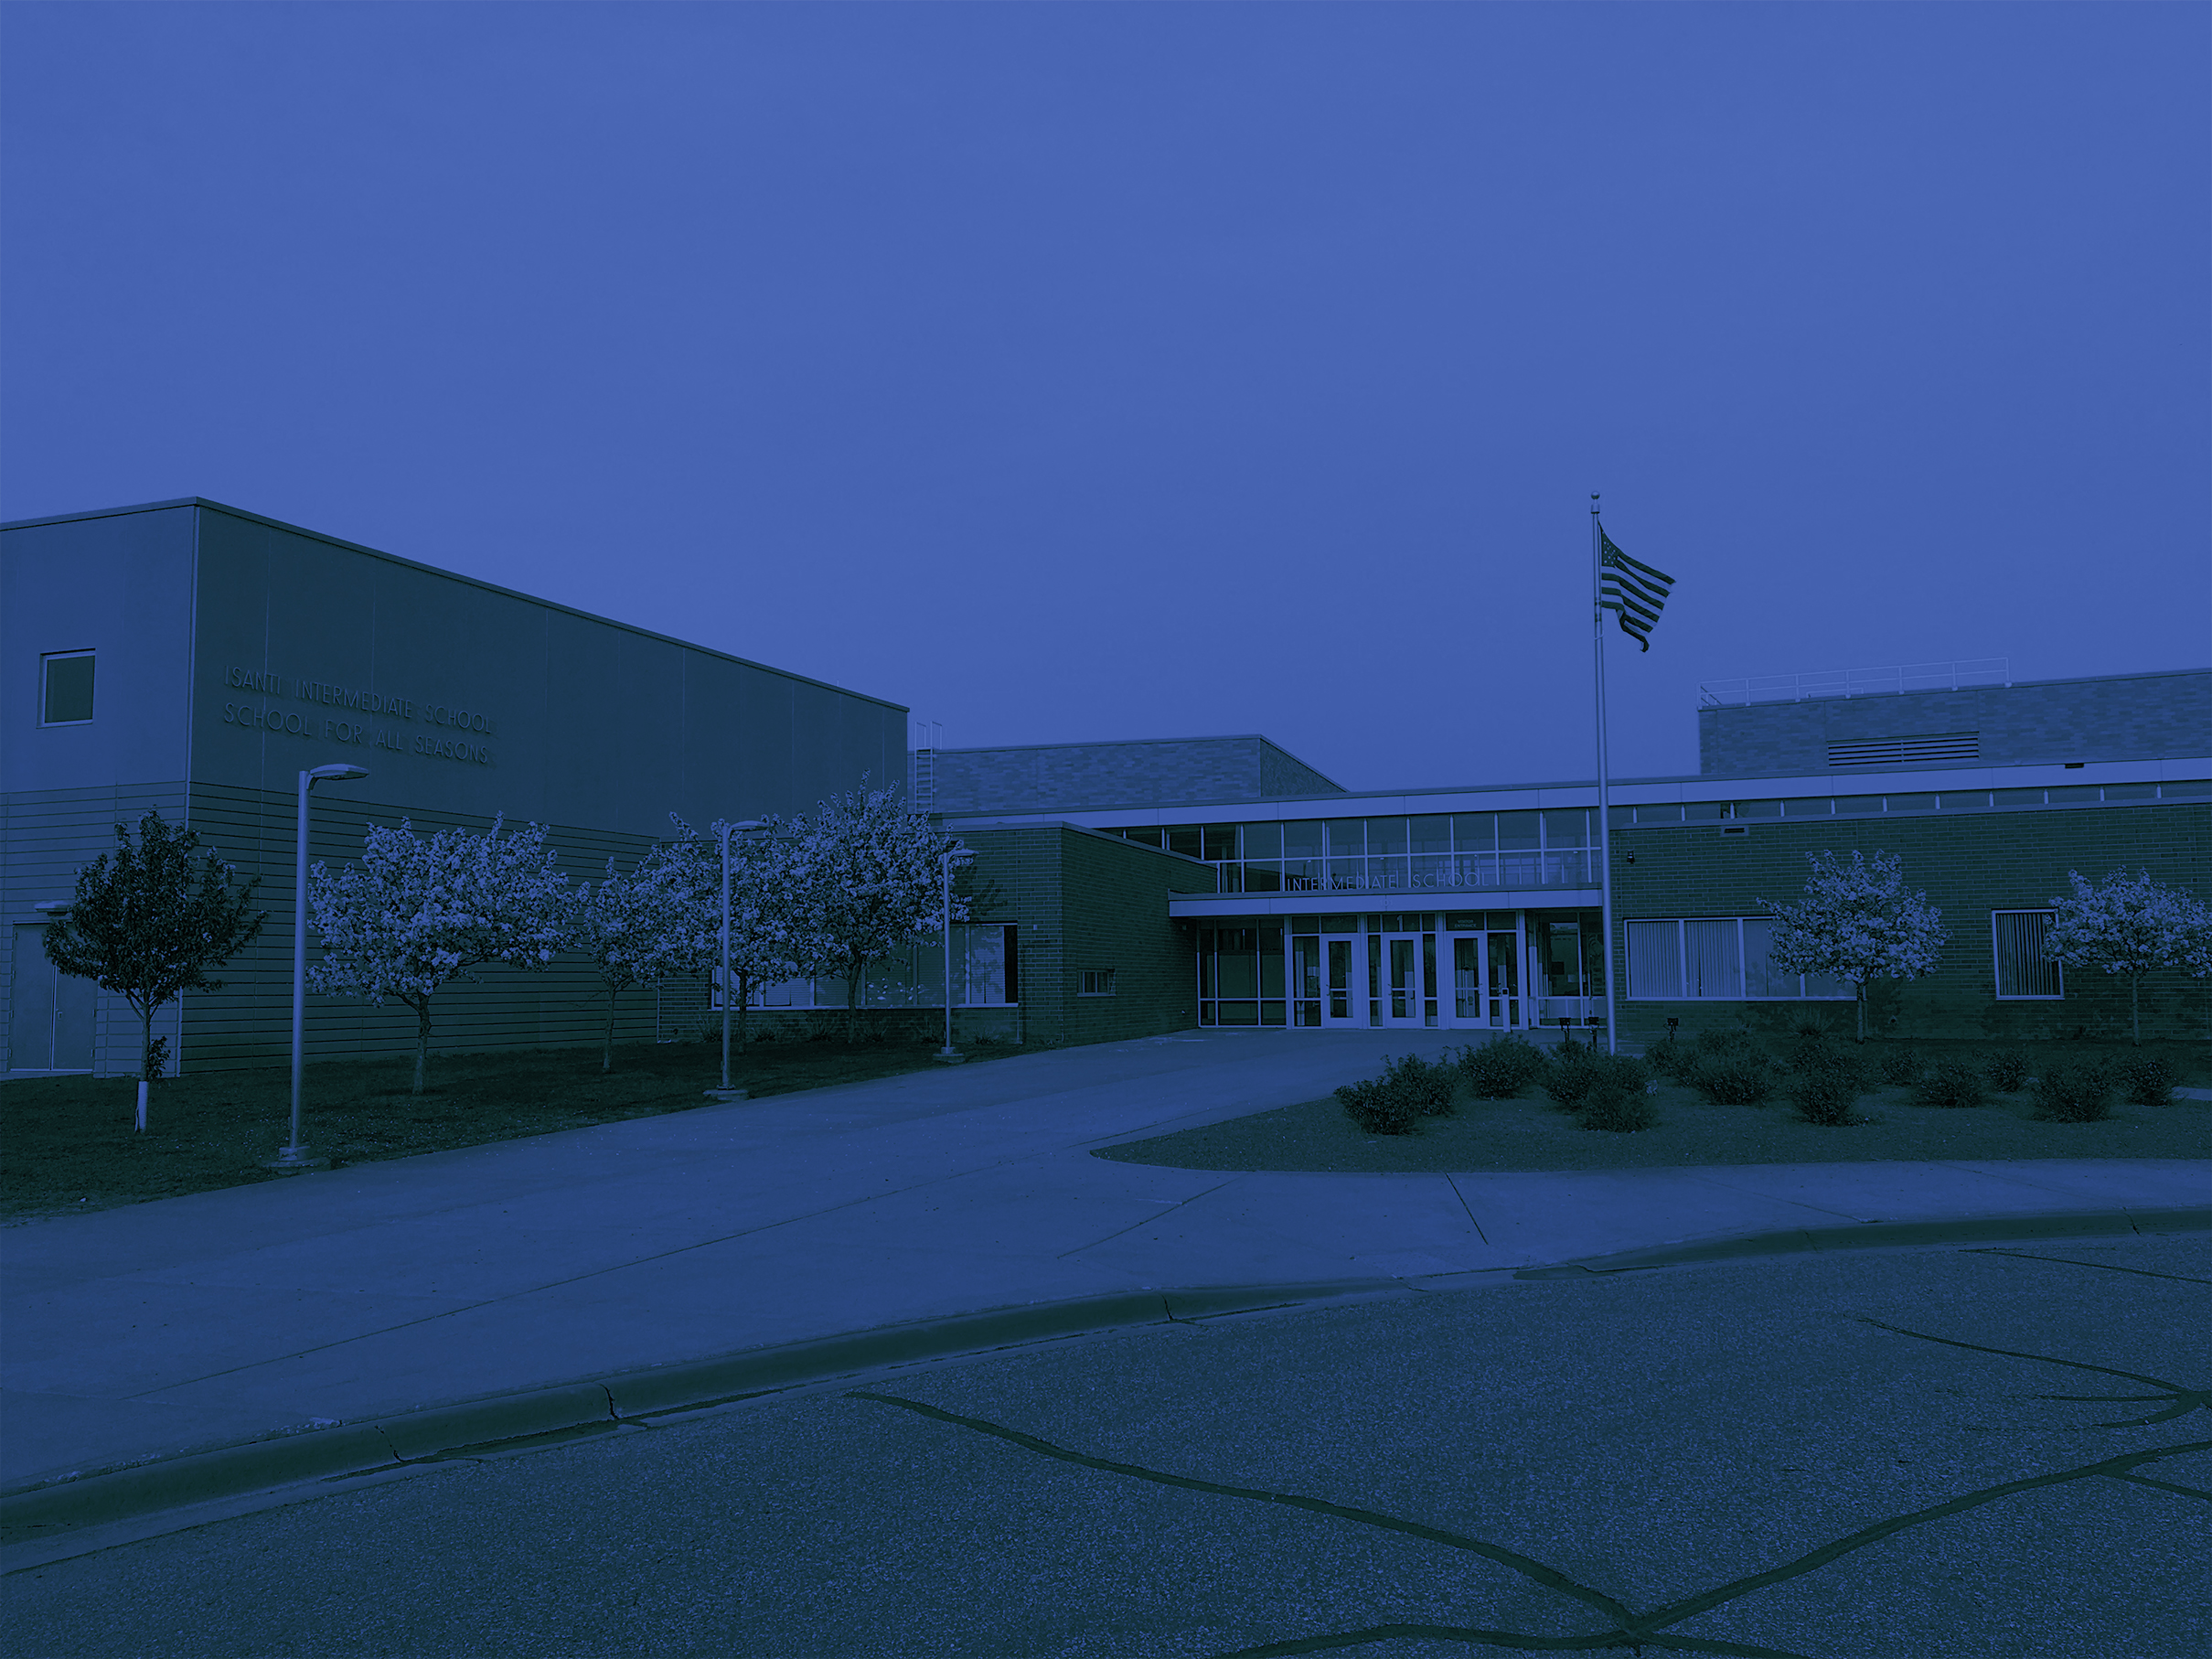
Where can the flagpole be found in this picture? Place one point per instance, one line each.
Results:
(1604, 813)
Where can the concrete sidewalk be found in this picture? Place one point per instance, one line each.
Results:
(171, 1328)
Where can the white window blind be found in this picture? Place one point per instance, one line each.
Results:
(1712, 960)
(1655, 960)
(2023, 970)
(1723, 959)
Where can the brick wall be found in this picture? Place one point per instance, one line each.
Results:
(1085, 902)
(2134, 717)
(1968, 865)
(1069, 778)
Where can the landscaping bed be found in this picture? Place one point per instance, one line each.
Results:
(1528, 1132)
(68, 1144)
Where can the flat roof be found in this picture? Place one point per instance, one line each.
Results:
(489, 587)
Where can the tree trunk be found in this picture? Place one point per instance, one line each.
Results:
(1861, 1000)
(2134, 1011)
(422, 1008)
(607, 1059)
(145, 1044)
(853, 971)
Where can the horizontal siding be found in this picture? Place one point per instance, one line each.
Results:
(248, 1023)
(45, 837)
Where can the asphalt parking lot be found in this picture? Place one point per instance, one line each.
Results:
(1947, 1452)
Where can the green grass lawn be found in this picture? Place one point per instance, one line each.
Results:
(70, 1146)
(1529, 1133)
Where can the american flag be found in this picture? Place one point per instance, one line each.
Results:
(1635, 591)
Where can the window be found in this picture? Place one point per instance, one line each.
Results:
(66, 685)
(2023, 970)
(1098, 981)
(1723, 959)
(986, 967)
(1240, 976)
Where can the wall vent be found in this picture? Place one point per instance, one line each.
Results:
(1906, 750)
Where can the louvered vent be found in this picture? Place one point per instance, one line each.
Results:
(1906, 750)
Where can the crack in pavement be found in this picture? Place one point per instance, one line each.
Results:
(1629, 1630)
(2186, 1400)
(2105, 1266)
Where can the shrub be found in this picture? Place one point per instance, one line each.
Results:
(1811, 1051)
(1951, 1083)
(2074, 1094)
(1500, 1068)
(1827, 1096)
(1574, 1069)
(1610, 1105)
(1409, 1088)
(1667, 1056)
(1429, 1084)
(2148, 1079)
(1742, 1077)
(2006, 1069)
(1378, 1108)
(1810, 1022)
(1724, 1040)
(1901, 1063)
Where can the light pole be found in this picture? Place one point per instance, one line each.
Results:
(750, 825)
(948, 1054)
(295, 1156)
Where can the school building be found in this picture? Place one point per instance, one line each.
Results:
(196, 658)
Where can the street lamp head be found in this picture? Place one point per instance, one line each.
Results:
(54, 906)
(751, 823)
(339, 772)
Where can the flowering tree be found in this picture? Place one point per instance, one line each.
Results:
(766, 938)
(148, 921)
(414, 913)
(868, 881)
(2132, 926)
(638, 929)
(1857, 922)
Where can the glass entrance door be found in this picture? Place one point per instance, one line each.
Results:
(1501, 983)
(1341, 1004)
(1401, 979)
(1467, 980)
(1485, 986)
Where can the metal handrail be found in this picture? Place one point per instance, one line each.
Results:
(1855, 682)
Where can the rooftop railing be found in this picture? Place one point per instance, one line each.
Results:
(1855, 682)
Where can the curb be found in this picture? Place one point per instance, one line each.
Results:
(44, 1512)
(1886, 1235)
(49, 1508)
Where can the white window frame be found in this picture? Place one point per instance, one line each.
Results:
(1997, 961)
(1097, 982)
(1681, 992)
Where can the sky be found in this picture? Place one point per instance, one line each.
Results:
(1072, 373)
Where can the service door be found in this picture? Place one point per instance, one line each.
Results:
(50, 1015)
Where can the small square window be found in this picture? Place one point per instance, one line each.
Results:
(66, 687)
(1098, 981)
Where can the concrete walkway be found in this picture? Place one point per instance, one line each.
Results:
(161, 1330)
